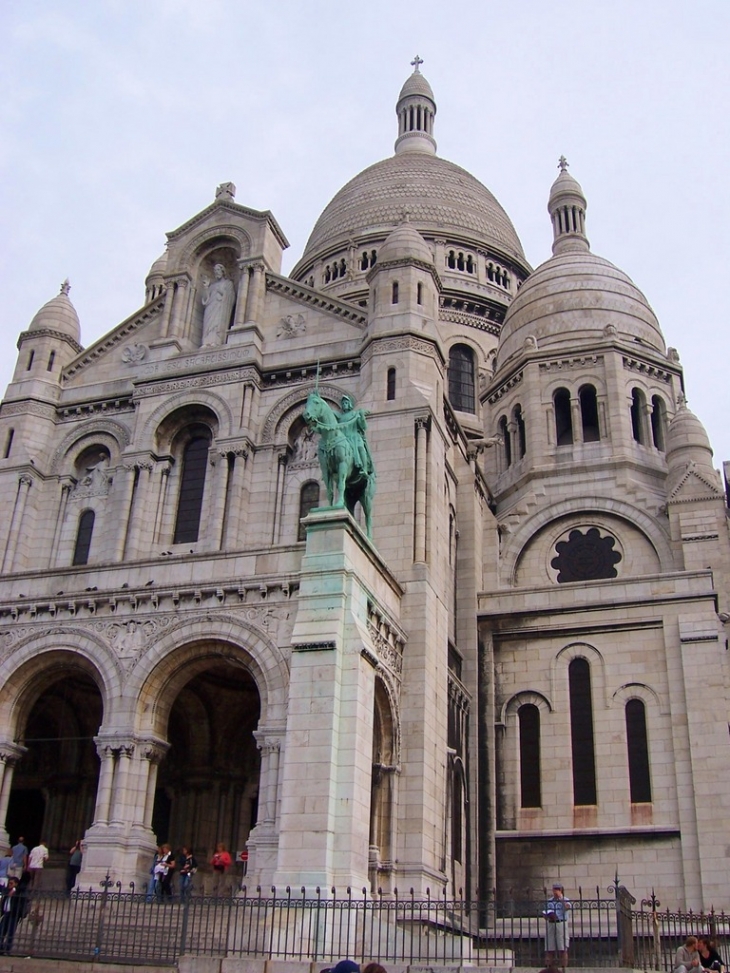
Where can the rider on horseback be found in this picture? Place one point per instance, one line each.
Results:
(353, 424)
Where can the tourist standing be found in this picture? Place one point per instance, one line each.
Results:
(221, 862)
(36, 860)
(74, 865)
(19, 854)
(11, 912)
(557, 938)
(188, 866)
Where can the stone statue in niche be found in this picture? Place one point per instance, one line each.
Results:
(96, 479)
(219, 296)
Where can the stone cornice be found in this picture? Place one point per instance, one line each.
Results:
(467, 320)
(49, 333)
(312, 298)
(257, 216)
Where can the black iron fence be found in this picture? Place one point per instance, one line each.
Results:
(322, 926)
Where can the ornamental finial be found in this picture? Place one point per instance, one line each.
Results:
(65, 287)
(563, 164)
(416, 63)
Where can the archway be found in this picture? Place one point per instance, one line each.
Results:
(208, 783)
(382, 798)
(55, 782)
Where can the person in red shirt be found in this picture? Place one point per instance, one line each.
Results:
(221, 862)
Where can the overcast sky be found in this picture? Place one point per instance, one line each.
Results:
(118, 118)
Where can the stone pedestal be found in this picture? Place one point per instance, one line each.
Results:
(327, 767)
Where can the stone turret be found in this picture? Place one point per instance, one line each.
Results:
(49, 344)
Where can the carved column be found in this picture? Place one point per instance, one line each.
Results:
(242, 296)
(66, 487)
(256, 291)
(279, 496)
(107, 756)
(16, 522)
(419, 553)
(124, 508)
(119, 803)
(179, 308)
(167, 310)
(514, 441)
(235, 500)
(10, 754)
(603, 413)
(577, 419)
(153, 751)
(246, 405)
(138, 518)
(273, 781)
(163, 481)
(219, 466)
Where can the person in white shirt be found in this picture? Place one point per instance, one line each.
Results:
(36, 861)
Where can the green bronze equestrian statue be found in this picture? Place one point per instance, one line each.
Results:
(344, 455)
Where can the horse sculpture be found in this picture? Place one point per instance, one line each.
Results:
(344, 456)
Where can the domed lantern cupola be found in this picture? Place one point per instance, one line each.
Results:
(49, 344)
(567, 207)
(416, 110)
(404, 279)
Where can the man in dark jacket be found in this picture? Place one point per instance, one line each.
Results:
(12, 902)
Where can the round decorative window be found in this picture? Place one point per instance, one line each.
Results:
(586, 557)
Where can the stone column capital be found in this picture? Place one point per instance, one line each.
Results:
(153, 750)
(11, 752)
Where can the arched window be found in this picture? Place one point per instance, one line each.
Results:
(192, 486)
(9, 443)
(519, 421)
(581, 732)
(529, 722)
(308, 499)
(83, 537)
(658, 422)
(394, 293)
(638, 403)
(638, 751)
(31, 356)
(419, 293)
(563, 417)
(506, 440)
(461, 379)
(51, 359)
(390, 385)
(589, 414)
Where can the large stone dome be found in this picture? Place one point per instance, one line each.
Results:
(439, 197)
(576, 296)
(573, 297)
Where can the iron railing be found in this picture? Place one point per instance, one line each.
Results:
(322, 926)
(659, 932)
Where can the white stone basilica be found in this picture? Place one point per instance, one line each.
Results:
(522, 677)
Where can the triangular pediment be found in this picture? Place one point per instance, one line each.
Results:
(222, 206)
(695, 486)
(127, 343)
(306, 299)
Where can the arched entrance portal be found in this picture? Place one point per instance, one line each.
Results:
(208, 783)
(55, 782)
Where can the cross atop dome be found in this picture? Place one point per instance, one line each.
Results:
(416, 110)
(563, 164)
(65, 287)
